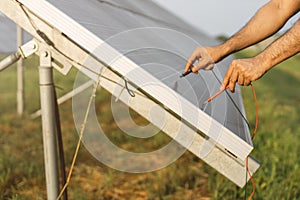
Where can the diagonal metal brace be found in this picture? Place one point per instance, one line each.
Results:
(24, 51)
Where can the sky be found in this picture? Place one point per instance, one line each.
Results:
(216, 17)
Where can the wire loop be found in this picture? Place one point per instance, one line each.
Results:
(130, 92)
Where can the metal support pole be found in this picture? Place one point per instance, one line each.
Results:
(49, 125)
(20, 75)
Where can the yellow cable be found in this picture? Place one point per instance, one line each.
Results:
(80, 137)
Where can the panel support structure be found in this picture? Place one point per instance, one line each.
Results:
(49, 125)
(70, 38)
(125, 67)
(20, 75)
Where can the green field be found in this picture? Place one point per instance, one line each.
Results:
(277, 146)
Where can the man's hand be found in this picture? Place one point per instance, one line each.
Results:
(267, 21)
(206, 57)
(243, 72)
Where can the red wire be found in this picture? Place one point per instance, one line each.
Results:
(253, 135)
(256, 111)
(217, 94)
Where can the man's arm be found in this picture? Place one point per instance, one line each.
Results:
(267, 21)
(283, 48)
(244, 71)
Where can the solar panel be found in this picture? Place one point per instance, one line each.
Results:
(153, 38)
(148, 47)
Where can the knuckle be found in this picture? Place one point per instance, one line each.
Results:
(234, 63)
(198, 49)
(247, 82)
(190, 61)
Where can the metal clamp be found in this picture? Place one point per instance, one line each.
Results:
(24, 51)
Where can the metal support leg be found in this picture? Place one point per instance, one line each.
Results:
(20, 75)
(49, 125)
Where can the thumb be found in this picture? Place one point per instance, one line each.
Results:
(209, 67)
(204, 64)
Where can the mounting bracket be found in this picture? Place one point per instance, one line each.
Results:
(24, 51)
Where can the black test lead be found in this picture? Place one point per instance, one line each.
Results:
(186, 73)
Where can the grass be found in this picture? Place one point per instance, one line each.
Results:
(276, 146)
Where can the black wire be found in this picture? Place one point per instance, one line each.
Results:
(233, 102)
(130, 92)
(235, 105)
(57, 117)
(60, 145)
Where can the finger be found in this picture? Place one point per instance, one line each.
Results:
(194, 70)
(232, 81)
(231, 86)
(209, 67)
(226, 78)
(204, 64)
(241, 80)
(187, 66)
(247, 82)
(197, 67)
(190, 62)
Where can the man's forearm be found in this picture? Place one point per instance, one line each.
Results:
(267, 21)
(283, 48)
(245, 71)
